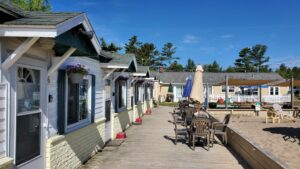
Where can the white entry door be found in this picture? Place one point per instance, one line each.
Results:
(30, 105)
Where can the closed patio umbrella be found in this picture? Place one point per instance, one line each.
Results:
(170, 89)
(197, 89)
(170, 93)
(188, 87)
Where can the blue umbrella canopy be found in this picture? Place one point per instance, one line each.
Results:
(188, 87)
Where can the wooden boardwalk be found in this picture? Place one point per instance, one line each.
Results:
(150, 146)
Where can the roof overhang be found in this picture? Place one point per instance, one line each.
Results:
(296, 83)
(163, 83)
(245, 82)
(131, 65)
(45, 31)
(139, 74)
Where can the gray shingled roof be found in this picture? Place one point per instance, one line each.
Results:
(37, 18)
(116, 58)
(213, 78)
(142, 69)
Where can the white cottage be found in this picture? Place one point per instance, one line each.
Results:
(45, 120)
(118, 97)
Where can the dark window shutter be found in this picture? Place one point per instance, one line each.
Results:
(93, 98)
(61, 89)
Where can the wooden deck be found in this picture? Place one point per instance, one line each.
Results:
(150, 146)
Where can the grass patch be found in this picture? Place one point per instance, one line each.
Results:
(170, 104)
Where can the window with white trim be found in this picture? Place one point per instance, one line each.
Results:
(249, 91)
(230, 89)
(78, 103)
(274, 91)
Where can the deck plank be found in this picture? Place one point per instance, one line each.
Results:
(150, 146)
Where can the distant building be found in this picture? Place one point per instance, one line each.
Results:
(270, 94)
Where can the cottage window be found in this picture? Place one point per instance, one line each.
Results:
(230, 89)
(249, 91)
(107, 89)
(121, 94)
(139, 92)
(274, 90)
(148, 92)
(78, 103)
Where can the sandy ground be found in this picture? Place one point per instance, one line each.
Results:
(281, 140)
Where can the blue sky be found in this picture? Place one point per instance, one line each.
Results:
(204, 30)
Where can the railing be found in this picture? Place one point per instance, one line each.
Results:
(251, 98)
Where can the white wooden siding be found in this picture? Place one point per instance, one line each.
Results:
(3, 113)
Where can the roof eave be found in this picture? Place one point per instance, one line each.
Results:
(113, 66)
(49, 31)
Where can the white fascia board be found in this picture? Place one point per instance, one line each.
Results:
(173, 83)
(73, 22)
(88, 26)
(110, 66)
(10, 31)
(135, 63)
(45, 31)
(149, 78)
(139, 74)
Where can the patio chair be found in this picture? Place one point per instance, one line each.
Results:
(187, 115)
(283, 114)
(219, 128)
(178, 131)
(273, 116)
(199, 129)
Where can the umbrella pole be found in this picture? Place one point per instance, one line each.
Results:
(198, 107)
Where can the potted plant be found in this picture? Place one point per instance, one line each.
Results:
(76, 73)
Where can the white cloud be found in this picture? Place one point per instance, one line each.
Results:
(227, 36)
(289, 61)
(189, 39)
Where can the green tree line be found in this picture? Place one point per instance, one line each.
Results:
(249, 59)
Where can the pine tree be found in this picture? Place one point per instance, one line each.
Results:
(190, 66)
(33, 5)
(110, 48)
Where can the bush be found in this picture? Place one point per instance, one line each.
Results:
(170, 104)
(212, 105)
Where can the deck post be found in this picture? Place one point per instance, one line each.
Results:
(292, 91)
(206, 106)
(260, 96)
(226, 92)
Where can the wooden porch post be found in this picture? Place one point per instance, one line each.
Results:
(226, 92)
(17, 54)
(206, 95)
(260, 96)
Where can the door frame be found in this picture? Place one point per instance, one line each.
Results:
(41, 65)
